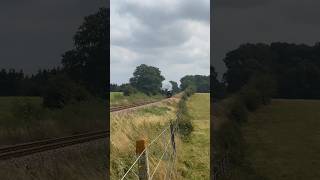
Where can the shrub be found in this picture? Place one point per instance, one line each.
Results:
(60, 91)
(238, 111)
(183, 118)
(251, 98)
(129, 90)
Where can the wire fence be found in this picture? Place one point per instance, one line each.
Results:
(221, 168)
(159, 163)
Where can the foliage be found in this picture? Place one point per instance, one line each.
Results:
(87, 61)
(17, 83)
(183, 116)
(128, 90)
(175, 88)
(199, 82)
(238, 111)
(219, 89)
(147, 79)
(85, 64)
(60, 90)
(295, 69)
(115, 88)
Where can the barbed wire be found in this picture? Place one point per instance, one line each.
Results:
(148, 146)
(166, 149)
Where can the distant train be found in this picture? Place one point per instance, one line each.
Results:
(169, 94)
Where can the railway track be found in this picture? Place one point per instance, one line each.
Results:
(49, 144)
(119, 108)
(29, 148)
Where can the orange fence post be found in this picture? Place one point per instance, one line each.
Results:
(143, 166)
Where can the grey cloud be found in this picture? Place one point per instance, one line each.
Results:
(301, 12)
(283, 20)
(160, 25)
(35, 33)
(239, 3)
(159, 36)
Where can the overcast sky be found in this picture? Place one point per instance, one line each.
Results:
(236, 22)
(35, 33)
(173, 35)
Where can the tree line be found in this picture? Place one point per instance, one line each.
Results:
(82, 73)
(294, 68)
(255, 74)
(148, 79)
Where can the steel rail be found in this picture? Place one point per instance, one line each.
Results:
(24, 149)
(119, 108)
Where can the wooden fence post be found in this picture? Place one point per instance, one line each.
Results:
(143, 166)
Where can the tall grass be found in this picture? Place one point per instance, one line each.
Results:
(24, 119)
(183, 117)
(127, 128)
(80, 162)
(117, 98)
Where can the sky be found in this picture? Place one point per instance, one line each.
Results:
(250, 21)
(35, 33)
(173, 35)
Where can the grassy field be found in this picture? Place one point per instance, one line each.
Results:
(283, 140)
(82, 162)
(117, 98)
(128, 127)
(24, 119)
(194, 155)
(147, 123)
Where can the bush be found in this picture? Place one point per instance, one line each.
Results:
(251, 98)
(189, 91)
(129, 90)
(183, 117)
(238, 111)
(60, 91)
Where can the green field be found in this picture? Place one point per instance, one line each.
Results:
(283, 140)
(117, 98)
(25, 119)
(194, 156)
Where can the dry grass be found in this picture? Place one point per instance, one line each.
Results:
(79, 162)
(146, 123)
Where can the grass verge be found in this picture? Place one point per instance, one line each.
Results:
(117, 98)
(128, 127)
(283, 139)
(194, 154)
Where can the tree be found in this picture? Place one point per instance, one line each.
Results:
(217, 86)
(199, 82)
(114, 88)
(147, 79)
(87, 61)
(61, 90)
(244, 62)
(174, 87)
(295, 69)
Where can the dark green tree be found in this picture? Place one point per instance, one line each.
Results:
(219, 89)
(244, 62)
(199, 82)
(175, 87)
(147, 79)
(87, 62)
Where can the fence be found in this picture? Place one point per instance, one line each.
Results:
(146, 166)
(221, 168)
